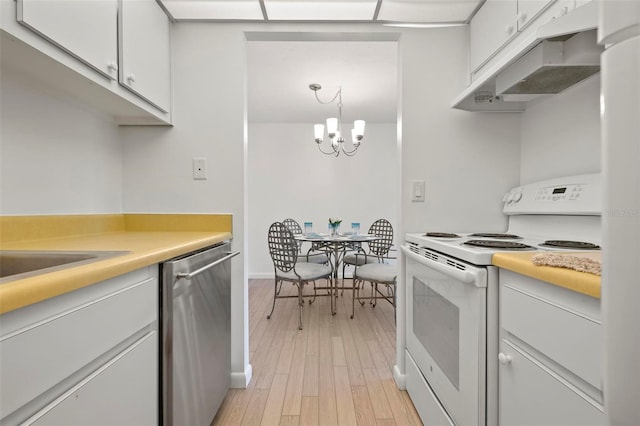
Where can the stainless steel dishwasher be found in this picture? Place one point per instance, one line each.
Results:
(196, 335)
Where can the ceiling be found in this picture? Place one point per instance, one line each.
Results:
(279, 72)
(366, 11)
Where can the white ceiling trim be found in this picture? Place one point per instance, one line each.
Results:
(365, 11)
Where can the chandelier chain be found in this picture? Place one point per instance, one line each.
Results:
(338, 93)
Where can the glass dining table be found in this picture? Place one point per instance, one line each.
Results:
(336, 247)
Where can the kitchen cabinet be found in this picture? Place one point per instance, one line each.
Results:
(550, 361)
(498, 22)
(491, 27)
(110, 55)
(145, 51)
(85, 29)
(84, 355)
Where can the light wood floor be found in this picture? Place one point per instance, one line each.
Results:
(337, 371)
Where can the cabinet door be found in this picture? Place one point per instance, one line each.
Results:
(532, 395)
(528, 10)
(85, 28)
(145, 51)
(490, 29)
(124, 391)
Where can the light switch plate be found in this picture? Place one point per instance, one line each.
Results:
(417, 191)
(199, 168)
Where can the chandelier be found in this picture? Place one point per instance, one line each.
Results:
(334, 128)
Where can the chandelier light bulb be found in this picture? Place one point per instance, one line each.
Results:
(332, 126)
(354, 137)
(318, 130)
(358, 127)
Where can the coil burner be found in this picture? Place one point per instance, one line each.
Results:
(498, 244)
(441, 235)
(490, 235)
(577, 245)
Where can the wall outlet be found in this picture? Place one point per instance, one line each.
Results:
(199, 168)
(417, 191)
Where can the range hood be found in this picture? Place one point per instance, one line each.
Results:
(551, 67)
(556, 56)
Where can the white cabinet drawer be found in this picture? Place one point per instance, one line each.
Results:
(533, 395)
(115, 394)
(39, 356)
(570, 339)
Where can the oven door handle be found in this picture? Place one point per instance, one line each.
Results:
(464, 276)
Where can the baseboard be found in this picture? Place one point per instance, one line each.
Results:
(400, 378)
(260, 275)
(242, 379)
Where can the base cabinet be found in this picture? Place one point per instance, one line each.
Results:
(550, 354)
(87, 357)
(118, 393)
(532, 394)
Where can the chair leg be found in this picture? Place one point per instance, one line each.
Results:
(314, 293)
(360, 286)
(353, 299)
(374, 294)
(300, 304)
(275, 294)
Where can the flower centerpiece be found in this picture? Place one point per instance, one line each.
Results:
(334, 226)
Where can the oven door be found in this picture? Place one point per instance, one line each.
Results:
(446, 331)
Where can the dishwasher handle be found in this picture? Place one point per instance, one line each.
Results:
(189, 275)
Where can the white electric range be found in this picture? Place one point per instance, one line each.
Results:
(452, 295)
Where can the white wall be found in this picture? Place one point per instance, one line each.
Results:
(289, 177)
(468, 160)
(561, 134)
(208, 101)
(56, 157)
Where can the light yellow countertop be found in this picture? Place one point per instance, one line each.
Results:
(580, 282)
(150, 239)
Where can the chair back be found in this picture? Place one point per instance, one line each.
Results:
(283, 247)
(381, 228)
(295, 228)
(293, 225)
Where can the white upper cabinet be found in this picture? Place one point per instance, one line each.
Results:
(493, 25)
(497, 22)
(87, 29)
(528, 10)
(145, 51)
(110, 55)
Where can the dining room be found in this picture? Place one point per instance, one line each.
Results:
(288, 175)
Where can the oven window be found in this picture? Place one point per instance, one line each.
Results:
(436, 324)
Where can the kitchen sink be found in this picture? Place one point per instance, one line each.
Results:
(18, 264)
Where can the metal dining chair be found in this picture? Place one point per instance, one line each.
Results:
(359, 256)
(373, 267)
(313, 255)
(283, 249)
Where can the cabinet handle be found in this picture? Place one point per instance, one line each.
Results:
(131, 78)
(504, 359)
(113, 67)
(509, 29)
(522, 17)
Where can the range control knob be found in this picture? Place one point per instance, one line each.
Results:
(517, 197)
(505, 197)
